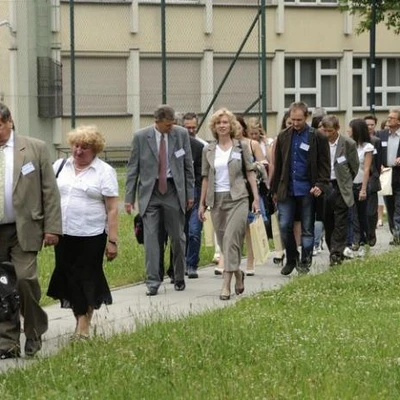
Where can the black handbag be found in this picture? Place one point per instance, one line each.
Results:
(138, 228)
(9, 297)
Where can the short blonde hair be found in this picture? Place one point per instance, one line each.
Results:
(88, 135)
(217, 116)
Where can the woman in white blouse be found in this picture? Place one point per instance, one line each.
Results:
(225, 167)
(89, 205)
(358, 130)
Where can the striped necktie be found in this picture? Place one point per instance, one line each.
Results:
(2, 180)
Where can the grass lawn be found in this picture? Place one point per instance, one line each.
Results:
(331, 336)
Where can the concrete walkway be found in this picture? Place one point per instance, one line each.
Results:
(131, 307)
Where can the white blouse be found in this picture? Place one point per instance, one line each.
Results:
(221, 170)
(82, 197)
(361, 150)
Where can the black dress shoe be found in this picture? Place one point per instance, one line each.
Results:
(10, 353)
(151, 292)
(287, 269)
(32, 346)
(179, 286)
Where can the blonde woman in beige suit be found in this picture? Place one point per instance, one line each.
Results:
(224, 191)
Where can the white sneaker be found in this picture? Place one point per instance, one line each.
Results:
(315, 251)
(361, 251)
(348, 253)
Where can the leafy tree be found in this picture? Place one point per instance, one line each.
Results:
(387, 11)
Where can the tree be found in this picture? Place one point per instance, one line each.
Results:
(387, 11)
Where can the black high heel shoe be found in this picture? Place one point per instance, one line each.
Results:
(279, 260)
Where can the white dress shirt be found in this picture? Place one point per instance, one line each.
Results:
(158, 139)
(9, 214)
(82, 197)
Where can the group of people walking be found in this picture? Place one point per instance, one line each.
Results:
(313, 173)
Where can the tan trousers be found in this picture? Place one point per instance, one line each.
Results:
(229, 219)
(25, 264)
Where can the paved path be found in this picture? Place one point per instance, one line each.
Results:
(132, 307)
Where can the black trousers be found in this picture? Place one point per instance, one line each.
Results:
(335, 221)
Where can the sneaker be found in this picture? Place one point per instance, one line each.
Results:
(361, 251)
(315, 251)
(348, 253)
(335, 260)
(192, 274)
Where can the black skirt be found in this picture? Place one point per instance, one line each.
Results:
(78, 280)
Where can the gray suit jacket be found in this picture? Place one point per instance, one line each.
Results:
(346, 167)
(36, 198)
(142, 171)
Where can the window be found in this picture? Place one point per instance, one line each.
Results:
(387, 83)
(100, 86)
(183, 84)
(241, 88)
(312, 2)
(313, 81)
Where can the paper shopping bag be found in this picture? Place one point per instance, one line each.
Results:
(259, 240)
(208, 230)
(276, 232)
(386, 182)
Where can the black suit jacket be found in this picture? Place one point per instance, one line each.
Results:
(319, 162)
(374, 184)
(197, 155)
(384, 136)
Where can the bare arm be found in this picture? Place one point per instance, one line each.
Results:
(112, 225)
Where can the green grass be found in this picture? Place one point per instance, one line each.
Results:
(331, 336)
(128, 267)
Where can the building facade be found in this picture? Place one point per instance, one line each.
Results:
(312, 55)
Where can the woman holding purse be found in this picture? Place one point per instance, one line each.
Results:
(224, 191)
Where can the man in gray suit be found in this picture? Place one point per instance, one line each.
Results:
(339, 194)
(30, 217)
(160, 168)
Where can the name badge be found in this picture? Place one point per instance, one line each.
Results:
(179, 153)
(236, 156)
(27, 168)
(341, 159)
(384, 144)
(375, 152)
(304, 146)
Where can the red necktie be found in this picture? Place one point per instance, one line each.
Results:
(162, 166)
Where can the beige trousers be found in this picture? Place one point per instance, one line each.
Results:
(229, 219)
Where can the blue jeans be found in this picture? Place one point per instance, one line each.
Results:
(193, 233)
(287, 210)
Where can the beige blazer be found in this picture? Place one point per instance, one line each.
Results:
(235, 166)
(36, 198)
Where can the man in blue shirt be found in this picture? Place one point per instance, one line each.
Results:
(301, 174)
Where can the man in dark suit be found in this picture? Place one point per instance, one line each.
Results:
(339, 195)
(390, 142)
(30, 216)
(160, 168)
(301, 173)
(193, 223)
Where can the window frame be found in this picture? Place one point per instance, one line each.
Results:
(383, 89)
(297, 90)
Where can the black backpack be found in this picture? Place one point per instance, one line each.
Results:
(9, 297)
